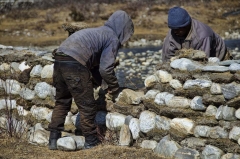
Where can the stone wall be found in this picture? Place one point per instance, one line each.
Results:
(189, 108)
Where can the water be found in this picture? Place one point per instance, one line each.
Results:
(135, 80)
(231, 44)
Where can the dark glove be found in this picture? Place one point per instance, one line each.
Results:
(113, 94)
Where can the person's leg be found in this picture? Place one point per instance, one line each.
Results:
(81, 87)
(62, 105)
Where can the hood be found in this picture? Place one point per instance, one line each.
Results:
(121, 23)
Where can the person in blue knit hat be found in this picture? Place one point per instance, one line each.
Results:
(188, 33)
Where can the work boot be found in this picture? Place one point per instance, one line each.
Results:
(91, 141)
(54, 136)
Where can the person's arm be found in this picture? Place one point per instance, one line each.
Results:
(106, 67)
(205, 45)
(97, 78)
(169, 48)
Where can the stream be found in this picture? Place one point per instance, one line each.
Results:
(134, 69)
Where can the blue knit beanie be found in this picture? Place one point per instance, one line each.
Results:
(178, 17)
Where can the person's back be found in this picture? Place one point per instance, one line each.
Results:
(99, 46)
(86, 45)
(198, 36)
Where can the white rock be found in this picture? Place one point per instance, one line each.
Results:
(43, 90)
(4, 67)
(234, 67)
(15, 67)
(39, 137)
(166, 147)
(2, 83)
(131, 97)
(219, 114)
(181, 64)
(37, 126)
(73, 118)
(5, 47)
(196, 103)
(197, 82)
(211, 152)
(147, 121)
(168, 97)
(134, 126)
(23, 66)
(6, 103)
(178, 102)
(213, 60)
(114, 121)
(47, 71)
(49, 116)
(201, 131)
(163, 123)
(216, 89)
(80, 140)
(27, 93)
(68, 119)
(184, 125)
(176, 84)
(234, 133)
(229, 113)
(151, 94)
(3, 122)
(66, 144)
(150, 81)
(148, 144)
(22, 111)
(36, 71)
(125, 137)
(160, 98)
(40, 113)
(164, 76)
(230, 156)
(237, 113)
(239, 141)
(211, 110)
(12, 86)
(218, 132)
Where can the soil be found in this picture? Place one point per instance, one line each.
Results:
(43, 27)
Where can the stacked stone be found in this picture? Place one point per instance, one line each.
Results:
(188, 108)
(191, 109)
(26, 86)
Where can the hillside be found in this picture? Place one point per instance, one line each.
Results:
(42, 26)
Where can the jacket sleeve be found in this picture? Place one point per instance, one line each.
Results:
(169, 48)
(106, 67)
(214, 47)
(97, 78)
(205, 45)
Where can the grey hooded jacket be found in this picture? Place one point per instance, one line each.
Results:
(201, 38)
(98, 47)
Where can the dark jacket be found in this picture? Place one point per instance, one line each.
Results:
(98, 47)
(201, 37)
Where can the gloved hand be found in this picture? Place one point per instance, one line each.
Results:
(113, 94)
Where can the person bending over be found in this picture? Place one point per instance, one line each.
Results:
(86, 55)
(188, 33)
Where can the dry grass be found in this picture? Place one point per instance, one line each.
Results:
(150, 20)
(16, 149)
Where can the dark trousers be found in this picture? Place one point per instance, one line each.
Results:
(73, 80)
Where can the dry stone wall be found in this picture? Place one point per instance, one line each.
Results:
(189, 108)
